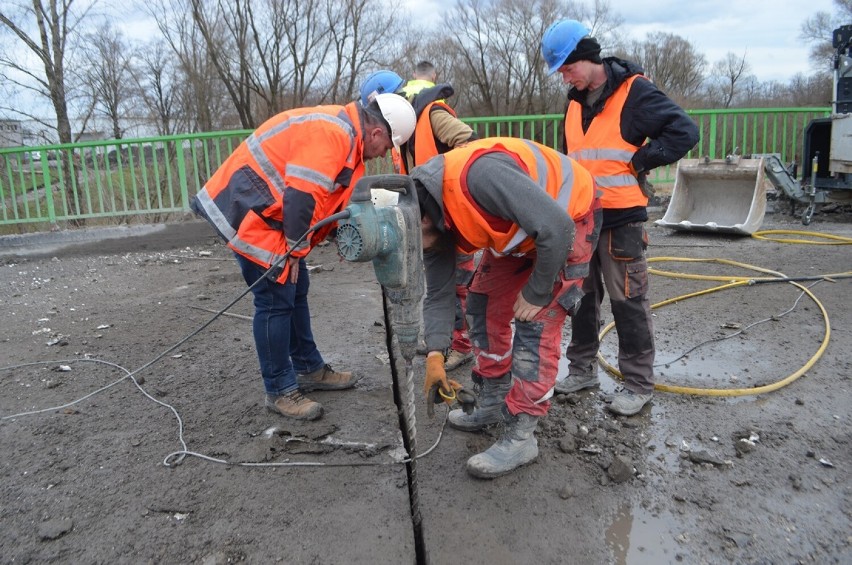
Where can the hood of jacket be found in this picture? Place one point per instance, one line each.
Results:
(429, 95)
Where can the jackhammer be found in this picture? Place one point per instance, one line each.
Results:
(390, 237)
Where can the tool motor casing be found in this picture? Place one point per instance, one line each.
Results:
(377, 235)
(390, 237)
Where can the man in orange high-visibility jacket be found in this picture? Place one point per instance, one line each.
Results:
(533, 212)
(619, 126)
(296, 169)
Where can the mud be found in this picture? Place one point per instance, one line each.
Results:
(133, 428)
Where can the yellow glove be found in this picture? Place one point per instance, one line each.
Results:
(435, 373)
(436, 386)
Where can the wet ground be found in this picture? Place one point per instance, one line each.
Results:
(178, 462)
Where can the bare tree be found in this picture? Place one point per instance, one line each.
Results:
(226, 32)
(726, 79)
(106, 74)
(47, 30)
(157, 86)
(817, 30)
(813, 90)
(268, 38)
(366, 35)
(497, 56)
(672, 63)
(203, 100)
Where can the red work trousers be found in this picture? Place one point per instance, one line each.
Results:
(464, 271)
(532, 353)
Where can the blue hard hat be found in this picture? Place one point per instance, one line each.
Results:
(559, 40)
(380, 82)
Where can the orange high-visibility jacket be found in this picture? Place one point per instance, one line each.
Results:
(295, 169)
(561, 177)
(603, 151)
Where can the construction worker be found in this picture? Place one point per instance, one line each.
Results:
(296, 169)
(619, 126)
(533, 213)
(439, 130)
(424, 76)
(380, 82)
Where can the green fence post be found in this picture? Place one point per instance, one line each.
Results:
(48, 188)
(184, 187)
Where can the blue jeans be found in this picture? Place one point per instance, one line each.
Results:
(282, 328)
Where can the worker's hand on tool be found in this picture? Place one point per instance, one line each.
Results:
(437, 387)
(294, 269)
(523, 310)
(435, 373)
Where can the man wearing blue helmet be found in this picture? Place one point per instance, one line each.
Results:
(380, 82)
(619, 126)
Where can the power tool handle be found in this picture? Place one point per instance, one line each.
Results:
(394, 183)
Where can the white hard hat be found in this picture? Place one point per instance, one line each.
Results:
(399, 115)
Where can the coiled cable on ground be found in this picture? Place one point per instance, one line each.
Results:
(731, 282)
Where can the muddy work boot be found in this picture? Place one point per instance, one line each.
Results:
(579, 377)
(517, 446)
(456, 359)
(294, 405)
(627, 403)
(573, 383)
(489, 402)
(325, 378)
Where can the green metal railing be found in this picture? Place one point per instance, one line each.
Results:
(152, 179)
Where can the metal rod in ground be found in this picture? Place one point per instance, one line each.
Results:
(414, 489)
(403, 396)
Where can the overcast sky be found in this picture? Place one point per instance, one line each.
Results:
(766, 31)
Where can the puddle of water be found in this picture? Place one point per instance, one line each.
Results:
(637, 537)
(729, 364)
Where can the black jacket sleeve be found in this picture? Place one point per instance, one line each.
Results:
(651, 115)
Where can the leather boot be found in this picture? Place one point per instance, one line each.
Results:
(517, 446)
(489, 402)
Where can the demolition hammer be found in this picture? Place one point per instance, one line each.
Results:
(390, 238)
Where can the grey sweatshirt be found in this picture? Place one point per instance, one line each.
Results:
(502, 188)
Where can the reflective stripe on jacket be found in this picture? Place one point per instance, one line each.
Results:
(295, 169)
(561, 177)
(603, 151)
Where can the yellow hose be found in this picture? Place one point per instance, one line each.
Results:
(835, 239)
(730, 282)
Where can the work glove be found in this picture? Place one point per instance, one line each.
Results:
(642, 180)
(437, 387)
(645, 186)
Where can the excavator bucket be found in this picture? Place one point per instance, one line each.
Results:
(717, 195)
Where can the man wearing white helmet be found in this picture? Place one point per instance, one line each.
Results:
(619, 126)
(296, 169)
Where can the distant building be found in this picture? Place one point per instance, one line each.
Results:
(11, 133)
(92, 136)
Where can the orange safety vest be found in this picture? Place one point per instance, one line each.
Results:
(424, 138)
(318, 151)
(561, 177)
(603, 151)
